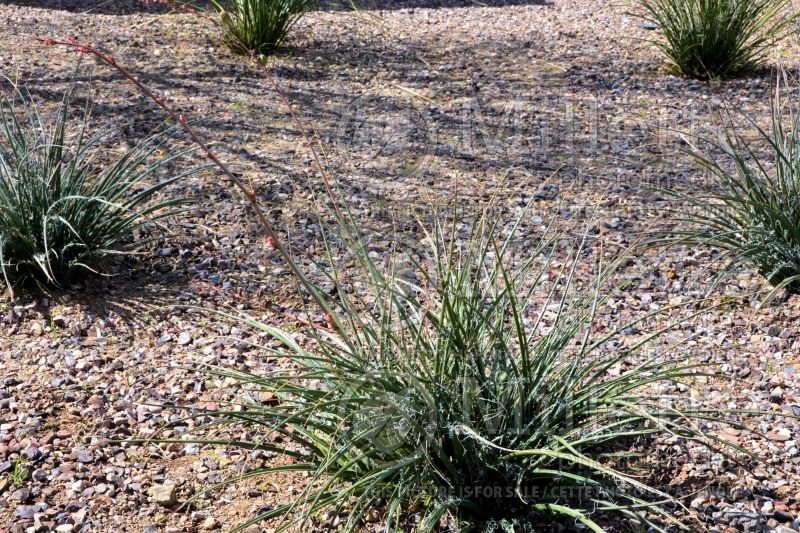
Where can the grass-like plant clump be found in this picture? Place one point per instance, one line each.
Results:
(258, 26)
(477, 398)
(717, 38)
(755, 216)
(67, 202)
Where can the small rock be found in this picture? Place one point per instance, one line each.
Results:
(25, 512)
(697, 503)
(779, 435)
(373, 515)
(184, 338)
(739, 493)
(21, 495)
(31, 453)
(209, 524)
(164, 495)
(84, 457)
(776, 395)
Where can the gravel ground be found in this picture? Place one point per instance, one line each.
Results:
(562, 103)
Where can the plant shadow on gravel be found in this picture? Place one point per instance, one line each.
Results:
(385, 5)
(127, 7)
(418, 131)
(95, 7)
(135, 294)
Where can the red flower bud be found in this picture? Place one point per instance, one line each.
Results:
(270, 241)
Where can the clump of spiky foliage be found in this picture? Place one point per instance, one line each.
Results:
(477, 396)
(63, 208)
(755, 216)
(258, 26)
(717, 38)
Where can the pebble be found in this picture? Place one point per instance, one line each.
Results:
(83, 456)
(184, 338)
(165, 495)
(21, 495)
(776, 395)
(209, 524)
(779, 435)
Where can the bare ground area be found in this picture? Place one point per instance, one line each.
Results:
(560, 102)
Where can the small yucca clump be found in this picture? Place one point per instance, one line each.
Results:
(476, 398)
(717, 38)
(259, 26)
(755, 217)
(64, 206)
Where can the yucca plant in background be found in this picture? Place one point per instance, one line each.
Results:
(755, 216)
(463, 400)
(717, 38)
(258, 25)
(67, 202)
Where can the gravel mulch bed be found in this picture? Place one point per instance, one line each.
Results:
(560, 102)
